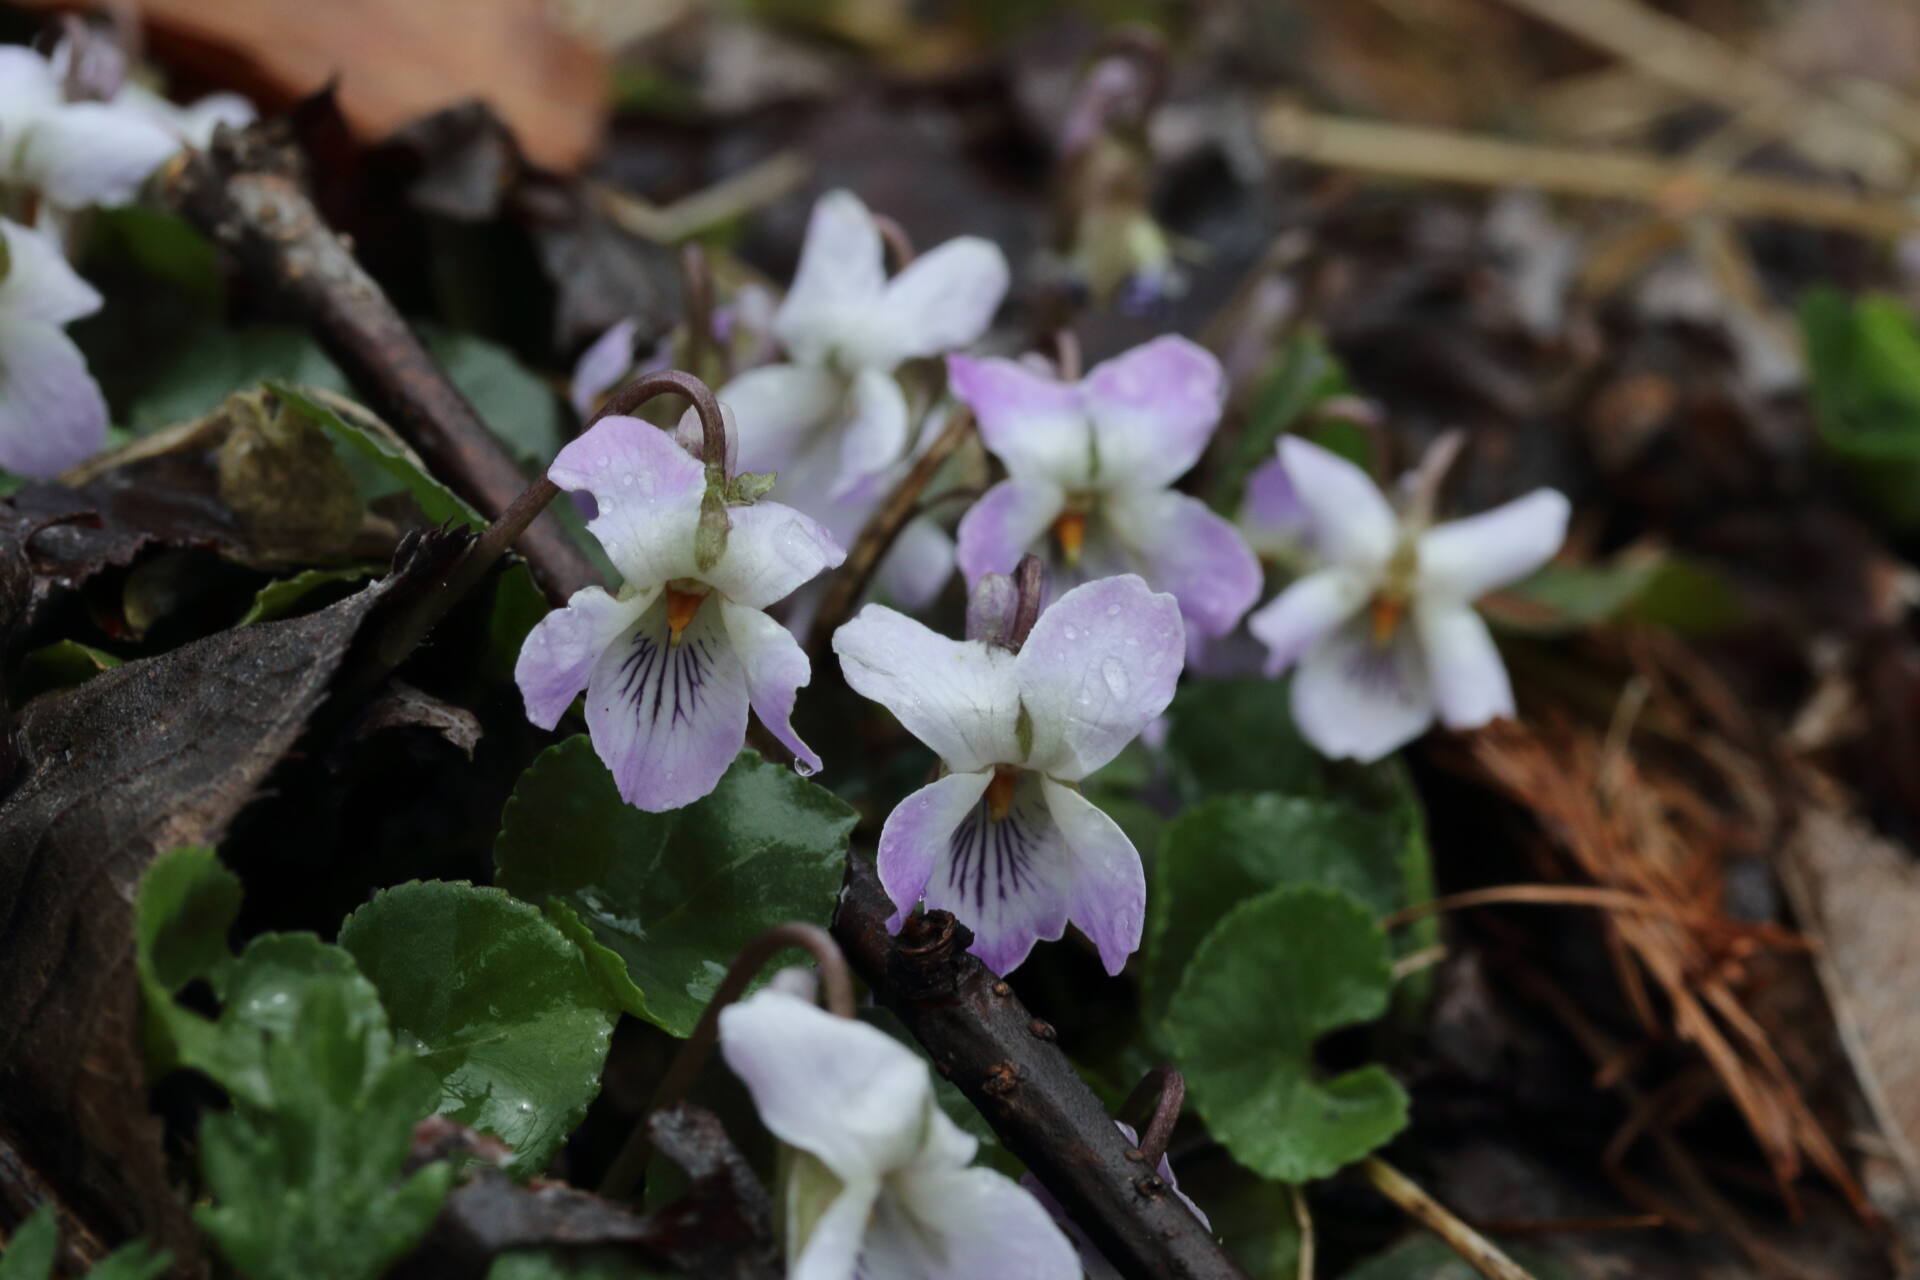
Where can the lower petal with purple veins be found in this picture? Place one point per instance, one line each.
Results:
(917, 835)
(1355, 697)
(1005, 876)
(563, 647)
(1106, 886)
(668, 718)
(775, 666)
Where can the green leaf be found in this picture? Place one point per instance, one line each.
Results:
(305, 1168)
(1238, 735)
(664, 901)
(1665, 590)
(186, 904)
(497, 1002)
(59, 665)
(1226, 850)
(201, 380)
(437, 502)
(1274, 976)
(569, 1264)
(134, 1260)
(281, 597)
(1863, 366)
(307, 1186)
(518, 407)
(30, 1253)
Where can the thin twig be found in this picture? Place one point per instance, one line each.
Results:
(1474, 1249)
(837, 986)
(1441, 155)
(1006, 1061)
(725, 200)
(696, 282)
(245, 194)
(1566, 895)
(850, 581)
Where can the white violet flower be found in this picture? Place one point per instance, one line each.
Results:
(671, 664)
(52, 414)
(875, 1180)
(1384, 636)
(1005, 841)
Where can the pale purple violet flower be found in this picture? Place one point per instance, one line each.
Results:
(1384, 636)
(875, 1183)
(1089, 465)
(831, 419)
(671, 665)
(73, 154)
(52, 414)
(1005, 841)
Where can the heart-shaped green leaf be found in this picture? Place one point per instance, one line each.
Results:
(664, 901)
(1274, 976)
(498, 1003)
(1226, 850)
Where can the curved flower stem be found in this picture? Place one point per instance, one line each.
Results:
(696, 280)
(837, 986)
(1168, 1089)
(408, 629)
(1474, 1249)
(899, 243)
(849, 582)
(1030, 586)
(713, 427)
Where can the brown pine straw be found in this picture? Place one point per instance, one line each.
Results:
(1651, 847)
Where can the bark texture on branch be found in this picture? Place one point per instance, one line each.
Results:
(1005, 1060)
(245, 193)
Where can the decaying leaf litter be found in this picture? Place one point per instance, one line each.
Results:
(1636, 956)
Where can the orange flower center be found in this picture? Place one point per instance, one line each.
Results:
(1071, 531)
(681, 606)
(1000, 791)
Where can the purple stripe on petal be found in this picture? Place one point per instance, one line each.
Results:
(1005, 877)
(563, 648)
(917, 835)
(668, 718)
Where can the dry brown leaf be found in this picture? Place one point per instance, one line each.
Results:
(1858, 894)
(397, 62)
